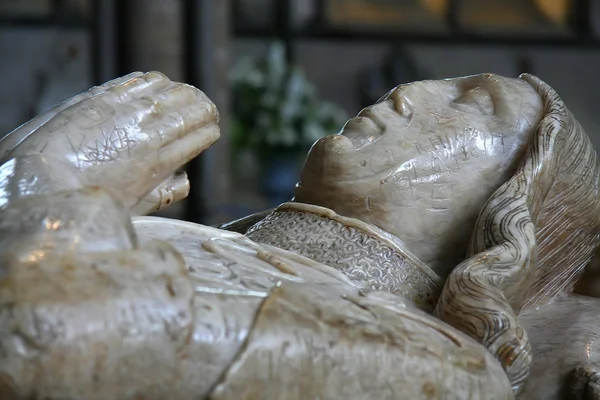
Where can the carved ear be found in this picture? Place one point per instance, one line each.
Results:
(532, 238)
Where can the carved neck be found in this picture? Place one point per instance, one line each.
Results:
(366, 254)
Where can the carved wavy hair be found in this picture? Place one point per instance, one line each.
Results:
(531, 241)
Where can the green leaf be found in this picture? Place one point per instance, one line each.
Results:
(275, 107)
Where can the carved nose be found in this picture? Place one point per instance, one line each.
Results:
(400, 99)
(402, 105)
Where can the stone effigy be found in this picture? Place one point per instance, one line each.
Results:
(431, 251)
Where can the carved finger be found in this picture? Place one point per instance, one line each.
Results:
(174, 189)
(147, 84)
(111, 108)
(593, 388)
(183, 150)
(93, 91)
(173, 114)
(94, 134)
(10, 141)
(151, 106)
(166, 161)
(118, 103)
(192, 131)
(115, 82)
(177, 95)
(132, 99)
(179, 117)
(582, 383)
(118, 81)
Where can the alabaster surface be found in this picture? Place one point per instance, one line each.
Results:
(565, 336)
(364, 253)
(282, 312)
(125, 136)
(425, 158)
(430, 252)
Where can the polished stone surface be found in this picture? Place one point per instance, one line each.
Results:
(430, 252)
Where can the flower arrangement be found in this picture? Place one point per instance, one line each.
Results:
(276, 111)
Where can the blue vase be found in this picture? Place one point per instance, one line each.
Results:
(280, 175)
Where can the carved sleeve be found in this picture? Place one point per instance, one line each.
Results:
(88, 312)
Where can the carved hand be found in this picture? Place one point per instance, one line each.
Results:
(128, 135)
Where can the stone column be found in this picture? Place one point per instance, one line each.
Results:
(154, 36)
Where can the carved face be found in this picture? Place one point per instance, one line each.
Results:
(422, 161)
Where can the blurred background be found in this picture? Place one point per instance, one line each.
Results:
(285, 72)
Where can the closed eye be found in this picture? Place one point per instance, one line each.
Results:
(476, 100)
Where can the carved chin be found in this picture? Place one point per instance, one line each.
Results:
(326, 159)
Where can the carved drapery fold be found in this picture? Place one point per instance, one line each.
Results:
(532, 239)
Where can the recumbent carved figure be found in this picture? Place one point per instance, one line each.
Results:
(431, 251)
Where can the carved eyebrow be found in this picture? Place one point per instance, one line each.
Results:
(476, 97)
(389, 93)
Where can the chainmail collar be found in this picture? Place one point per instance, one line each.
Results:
(366, 254)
